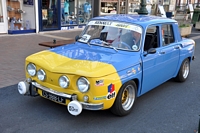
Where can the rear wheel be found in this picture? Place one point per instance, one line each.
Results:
(125, 99)
(183, 71)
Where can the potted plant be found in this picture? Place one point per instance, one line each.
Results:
(185, 29)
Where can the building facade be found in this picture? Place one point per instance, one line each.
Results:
(25, 16)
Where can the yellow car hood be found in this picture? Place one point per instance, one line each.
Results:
(57, 63)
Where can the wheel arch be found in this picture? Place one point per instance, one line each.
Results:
(137, 82)
(180, 63)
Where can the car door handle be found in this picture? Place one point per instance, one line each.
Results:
(162, 52)
(176, 47)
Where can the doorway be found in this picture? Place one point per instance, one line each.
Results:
(3, 22)
(49, 15)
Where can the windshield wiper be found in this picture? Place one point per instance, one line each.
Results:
(88, 43)
(109, 44)
(106, 43)
(114, 48)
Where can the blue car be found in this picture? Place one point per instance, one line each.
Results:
(115, 59)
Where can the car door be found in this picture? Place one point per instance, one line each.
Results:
(153, 63)
(159, 66)
(170, 50)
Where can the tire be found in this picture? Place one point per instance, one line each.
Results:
(183, 71)
(125, 99)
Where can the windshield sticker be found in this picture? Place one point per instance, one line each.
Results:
(122, 25)
(85, 38)
(104, 23)
(118, 25)
(111, 92)
(99, 83)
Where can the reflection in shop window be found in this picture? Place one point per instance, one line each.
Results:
(84, 11)
(75, 12)
(108, 7)
(68, 12)
(133, 6)
(49, 14)
(123, 7)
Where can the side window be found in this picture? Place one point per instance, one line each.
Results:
(151, 38)
(167, 34)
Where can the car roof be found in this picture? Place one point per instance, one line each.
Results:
(143, 20)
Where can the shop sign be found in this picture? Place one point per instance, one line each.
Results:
(28, 2)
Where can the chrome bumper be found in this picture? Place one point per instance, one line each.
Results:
(87, 106)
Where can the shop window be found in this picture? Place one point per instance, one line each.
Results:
(49, 14)
(21, 17)
(123, 7)
(108, 7)
(75, 12)
(68, 13)
(133, 6)
(84, 11)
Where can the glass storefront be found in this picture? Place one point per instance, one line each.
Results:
(84, 11)
(21, 16)
(122, 9)
(49, 14)
(118, 6)
(132, 6)
(75, 12)
(109, 7)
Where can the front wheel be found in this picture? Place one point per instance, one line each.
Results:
(125, 99)
(183, 71)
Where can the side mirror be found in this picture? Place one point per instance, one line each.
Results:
(151, 51)
(77, 37)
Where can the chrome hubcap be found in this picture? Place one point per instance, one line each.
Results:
(128, 97)
(186, 69)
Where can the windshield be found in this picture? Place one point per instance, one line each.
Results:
(117, 35)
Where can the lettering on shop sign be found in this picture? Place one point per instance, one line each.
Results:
(103, 23)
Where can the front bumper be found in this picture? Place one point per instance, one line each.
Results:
(73, 97)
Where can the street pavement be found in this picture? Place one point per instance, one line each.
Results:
(171, 108)
(15, 48)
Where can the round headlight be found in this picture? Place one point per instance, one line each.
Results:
(41, 75)
(63, 82)
(31, 69)
(83, 84)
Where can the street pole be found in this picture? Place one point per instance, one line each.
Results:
(143, 9)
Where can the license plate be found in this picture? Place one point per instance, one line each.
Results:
(53, 97)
